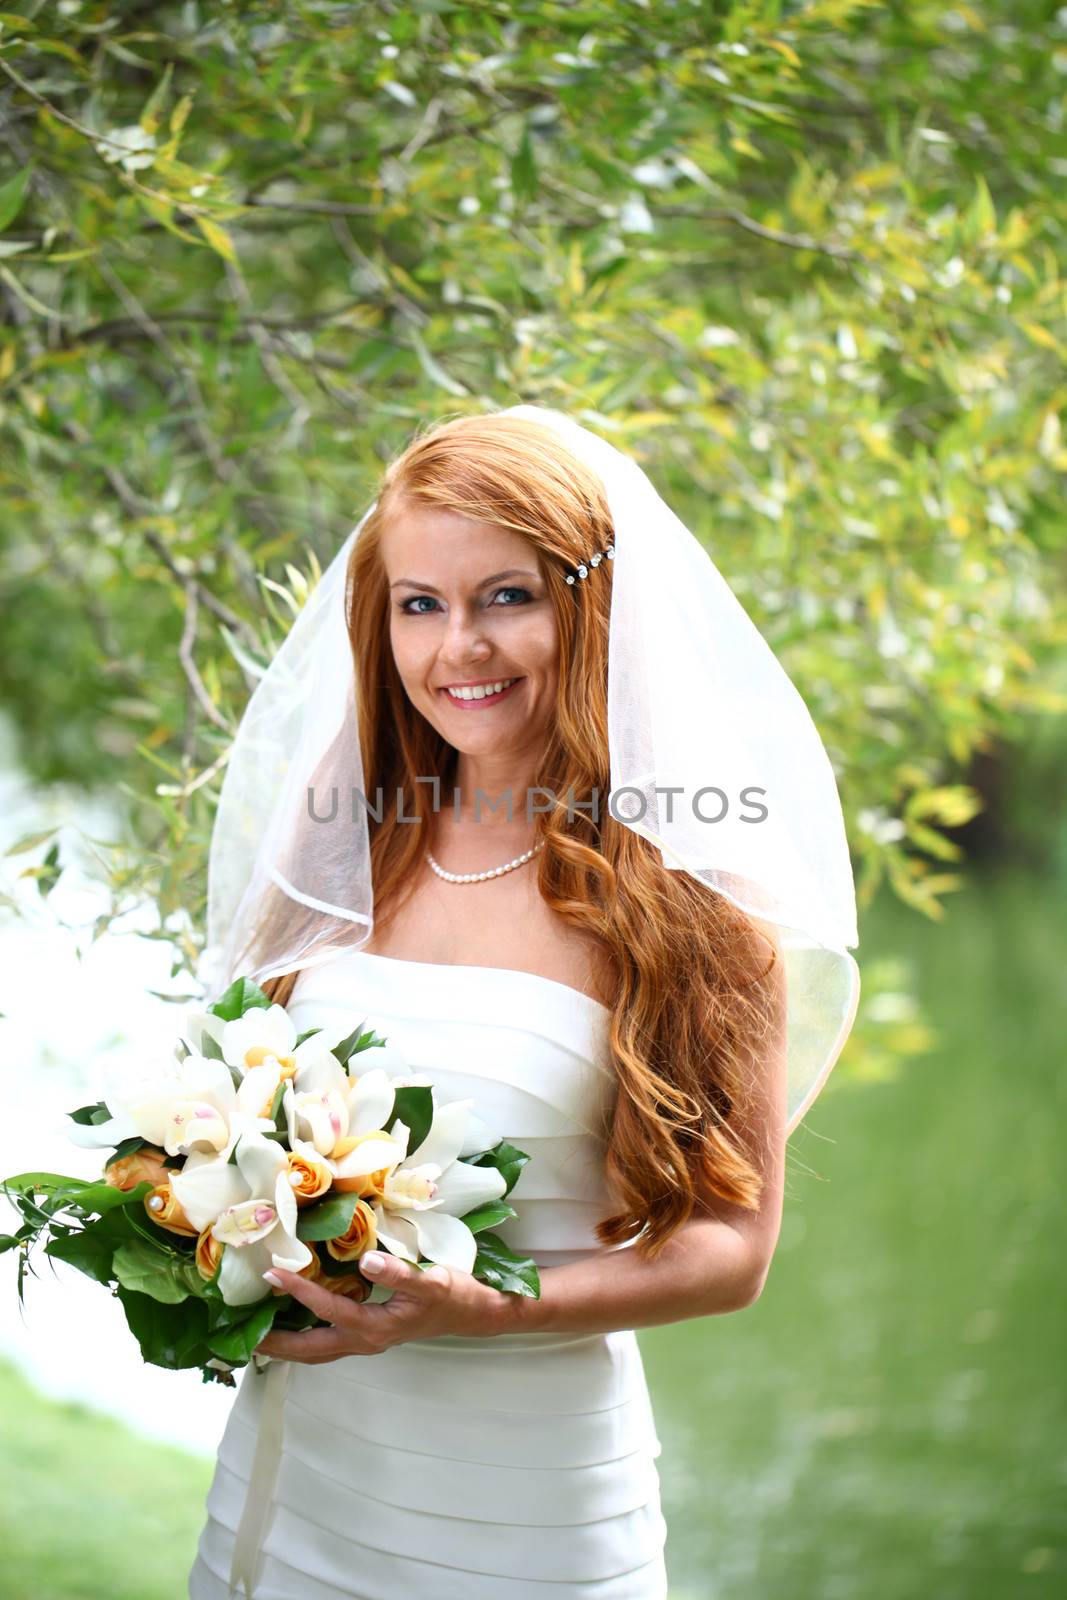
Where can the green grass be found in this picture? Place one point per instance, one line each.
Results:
(90, 1510)
(889, 1420)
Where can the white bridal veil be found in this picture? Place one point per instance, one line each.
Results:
(714, 758)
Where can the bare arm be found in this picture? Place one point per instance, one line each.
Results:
(716, 1262)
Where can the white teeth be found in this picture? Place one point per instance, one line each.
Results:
(481, 691)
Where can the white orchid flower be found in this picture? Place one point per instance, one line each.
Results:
(195, 1106)
(268, 1034)
(259, 1230)
(424, 1194)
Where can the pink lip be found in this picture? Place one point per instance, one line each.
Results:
(486, 700)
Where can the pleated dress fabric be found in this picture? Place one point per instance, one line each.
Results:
(515, 1467)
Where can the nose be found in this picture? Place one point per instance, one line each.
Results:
(464, 639)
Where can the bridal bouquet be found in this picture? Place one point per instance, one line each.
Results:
(255, 1147)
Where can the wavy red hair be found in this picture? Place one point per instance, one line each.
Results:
(689, 991)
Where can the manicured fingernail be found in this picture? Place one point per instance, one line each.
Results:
(272, 1277)
(372, 1263)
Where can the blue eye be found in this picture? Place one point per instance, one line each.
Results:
(404, 604)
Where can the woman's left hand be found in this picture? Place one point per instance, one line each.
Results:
(425, 1303)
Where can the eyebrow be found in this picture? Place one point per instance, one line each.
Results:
(494, 577)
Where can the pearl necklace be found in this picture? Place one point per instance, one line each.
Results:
(482, 877)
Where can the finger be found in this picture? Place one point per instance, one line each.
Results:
(325, 1304)
(313, 1344)
(396, 1273)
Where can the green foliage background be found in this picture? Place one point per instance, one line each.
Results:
(804, 260)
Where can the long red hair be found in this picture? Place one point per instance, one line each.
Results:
(689, 1000)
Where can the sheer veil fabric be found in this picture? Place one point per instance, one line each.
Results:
(714, 758)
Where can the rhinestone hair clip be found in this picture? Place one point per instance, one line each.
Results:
(582, 570)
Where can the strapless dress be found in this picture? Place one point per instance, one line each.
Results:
(515, 1467)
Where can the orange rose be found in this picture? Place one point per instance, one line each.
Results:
(310, 1179)
(351, 1284)
(145, 1165)
(163, 1207)
(208, 1253)
(371, 1183)
(361, 1234)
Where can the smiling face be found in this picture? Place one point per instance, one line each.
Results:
(470, 609)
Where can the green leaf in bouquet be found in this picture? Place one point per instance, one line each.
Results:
(139, 1265)
(508, 1160)
(210, 1048)
(413, 1105)
(328, 1218)
(356, 1042)
(98, 1198)
(500, 1267)
(488, 1215)
(61, 1193)
(237, 1342)
(129, 1147)
(242, 995)
(349, 1045)
(277, 1115)
(9, 1241)
(89, 1249)
(89, 1116)
(308, 1033)
(172, 1336)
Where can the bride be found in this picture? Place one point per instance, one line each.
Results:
(526, 790)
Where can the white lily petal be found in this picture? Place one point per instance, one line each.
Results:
(269, 1029)
(95, 1135)
(318, 1071)
(287, 1251)
(204, 1079)
(241, 1273)
(447, 1132)
(206, 1186)
(285, 1201)
(370, 1101)
(370, 1156)
(445, 1239)
(396, 1234)
(461, 1187)
(200, 1025)
(260, 1161)
(480, 1137)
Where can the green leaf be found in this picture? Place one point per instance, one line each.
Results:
(508, 1160)
(172, 1336)
(91, 1252)
(11, 196)
(242, 995)
(413, 1105)
(503, 1269)
(488, 1215)
(128, 1147)
(524, 168)
(89, 1116)
(237, 1343)
(328, 1218)
(356, 1042)
(139, 1265)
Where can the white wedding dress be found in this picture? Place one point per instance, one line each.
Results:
(515, 1467)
